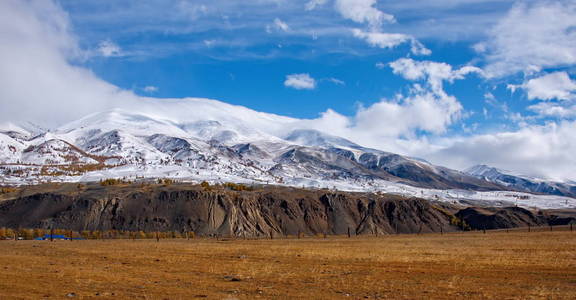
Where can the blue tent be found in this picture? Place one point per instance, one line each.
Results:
(56, 237)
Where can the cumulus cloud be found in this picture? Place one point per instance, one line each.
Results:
(391, 40)
(531, 37)
(300, 81)
(557, 85)
(549, 149)
(426, 108)
(557, 110)
(380, 39)
(363, 11)
(36, 35)
(434, 72)
(107, 48)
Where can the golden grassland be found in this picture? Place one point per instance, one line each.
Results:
(497, 265)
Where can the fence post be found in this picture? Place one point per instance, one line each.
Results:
(70, 235)
(484, 229)
(157, 237)
(441, 230)
(348, 232)
(51, 234)
(271, 235)
(550, 227)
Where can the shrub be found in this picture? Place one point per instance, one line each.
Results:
(113, 181)
(205, 185)
(237, 187)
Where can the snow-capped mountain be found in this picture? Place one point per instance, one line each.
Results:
(522, 182)
(201, 139)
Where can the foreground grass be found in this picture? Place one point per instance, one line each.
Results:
(471, 265)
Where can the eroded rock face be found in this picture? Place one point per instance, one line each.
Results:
(276, 210)
(246, 213)
(496, 218)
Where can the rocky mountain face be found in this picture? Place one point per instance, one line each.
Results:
(522, 183)
(260, 212)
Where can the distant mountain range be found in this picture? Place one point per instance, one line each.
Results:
(203, 139)
(522, 182)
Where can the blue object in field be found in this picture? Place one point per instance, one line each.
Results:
(56, 237)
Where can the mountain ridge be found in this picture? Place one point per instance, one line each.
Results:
(142, 144)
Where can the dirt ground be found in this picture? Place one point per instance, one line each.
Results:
(497, 265)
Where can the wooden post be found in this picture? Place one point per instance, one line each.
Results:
(550, 227)
(70, 235)
(187, 235)
(298, 233)
(51, 234)
(157, 237)
(348, 232)
(529, 228)
(396, 225)
(484, 230)
(441, 230)
(271, 235)
(16, 235)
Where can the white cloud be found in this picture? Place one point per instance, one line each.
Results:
(281, 25)
(390, 40)
(532, 37)
(549, 109)
(107, 48)
(150, 89)
(312, 4)
(434, 72)
(300, 81)
(363, 11)
(336, 81)
(557, 85)
(427, 108)
(548, 148)
(418, 48)
(37, 81)
(380, 39)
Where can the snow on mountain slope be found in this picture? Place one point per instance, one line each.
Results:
(315, 138)
(10, 149)
(200, 139)
(55, 152)
(522, 182)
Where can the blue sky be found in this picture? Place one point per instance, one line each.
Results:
(455, 82)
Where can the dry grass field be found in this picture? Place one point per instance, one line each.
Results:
(497, 265)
